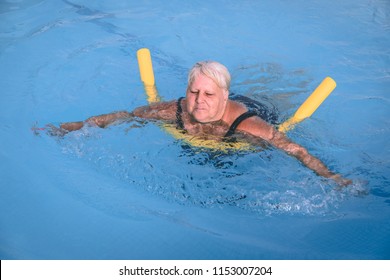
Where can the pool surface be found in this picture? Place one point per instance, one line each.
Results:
(132, 191)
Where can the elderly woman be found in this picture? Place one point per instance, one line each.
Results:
(207, 111)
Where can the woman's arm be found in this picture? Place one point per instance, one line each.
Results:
(259, 128)
(156, 111)
(100, 121)
(280, 141)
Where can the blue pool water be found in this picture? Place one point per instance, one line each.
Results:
(131, 192)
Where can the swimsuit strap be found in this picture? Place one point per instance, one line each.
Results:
(179, 120)
(237, 121)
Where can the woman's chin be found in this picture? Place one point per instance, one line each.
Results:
(200, 120)
(199, 117)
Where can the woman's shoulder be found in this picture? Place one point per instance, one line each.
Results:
(163, 110)
(235, 109)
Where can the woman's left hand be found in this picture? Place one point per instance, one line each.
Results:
(342, 182)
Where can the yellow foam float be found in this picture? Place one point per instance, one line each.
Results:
(310, 105)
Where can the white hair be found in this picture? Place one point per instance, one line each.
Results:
(212, 69)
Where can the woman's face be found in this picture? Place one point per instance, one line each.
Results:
(206, 101)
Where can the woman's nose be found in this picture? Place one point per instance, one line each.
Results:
(199, 98)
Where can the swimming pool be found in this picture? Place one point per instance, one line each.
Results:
(136, 193)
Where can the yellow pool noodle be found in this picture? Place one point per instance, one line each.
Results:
(311, 104)
(147, 74)
(145, 66)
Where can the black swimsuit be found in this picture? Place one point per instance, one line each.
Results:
(229, 133)
(179, 110)
(239, 120)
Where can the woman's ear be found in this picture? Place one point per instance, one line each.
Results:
(225, 94)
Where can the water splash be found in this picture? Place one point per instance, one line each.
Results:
(254, 182)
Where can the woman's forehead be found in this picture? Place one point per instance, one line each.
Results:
(202, 81)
